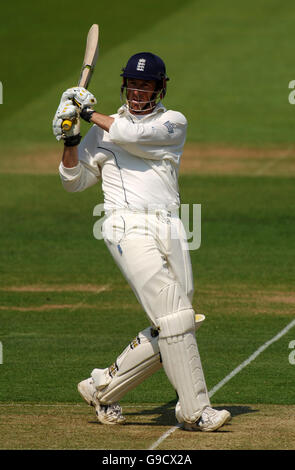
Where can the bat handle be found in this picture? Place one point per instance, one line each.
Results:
(67, 124)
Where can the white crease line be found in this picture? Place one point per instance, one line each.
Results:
(251, 358)
(163, 437)
(230, 376)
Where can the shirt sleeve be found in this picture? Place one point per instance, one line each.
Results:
(151, 140)
(87, 172)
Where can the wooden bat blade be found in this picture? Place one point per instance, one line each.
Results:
(90, 57)
(89, 62)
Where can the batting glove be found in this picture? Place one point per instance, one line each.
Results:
(72, 102)
(67, 111)
(85, 100)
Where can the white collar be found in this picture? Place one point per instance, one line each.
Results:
(124, 110)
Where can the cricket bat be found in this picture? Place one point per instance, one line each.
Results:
(89, 62)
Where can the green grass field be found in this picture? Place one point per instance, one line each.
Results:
(64, 306)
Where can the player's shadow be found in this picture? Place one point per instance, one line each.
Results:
(164, 415)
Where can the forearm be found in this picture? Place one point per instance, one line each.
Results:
(102, 120)
(70, 156)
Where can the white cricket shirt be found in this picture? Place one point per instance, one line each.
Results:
(138, 160)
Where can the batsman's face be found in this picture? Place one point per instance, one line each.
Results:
(140, 95)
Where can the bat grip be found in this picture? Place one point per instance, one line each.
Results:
(66, 125)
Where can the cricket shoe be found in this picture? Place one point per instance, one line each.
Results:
(87, 390)
(210, 419)
(109, 414)
(106, 414)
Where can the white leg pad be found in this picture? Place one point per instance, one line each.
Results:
(180, 357)
(182, 364)
(137, 362)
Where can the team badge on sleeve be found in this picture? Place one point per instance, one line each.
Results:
(170, 127)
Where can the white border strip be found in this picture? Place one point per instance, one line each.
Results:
(230, 376)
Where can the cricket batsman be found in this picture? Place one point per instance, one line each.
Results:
(136, 154)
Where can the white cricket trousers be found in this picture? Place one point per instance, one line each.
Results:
(151, 251)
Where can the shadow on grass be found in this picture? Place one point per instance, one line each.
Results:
(164, 415)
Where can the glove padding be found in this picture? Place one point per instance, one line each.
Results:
(72, 102)
(66, 110)
(82, 97)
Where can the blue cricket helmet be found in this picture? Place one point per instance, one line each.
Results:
(145, 66)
